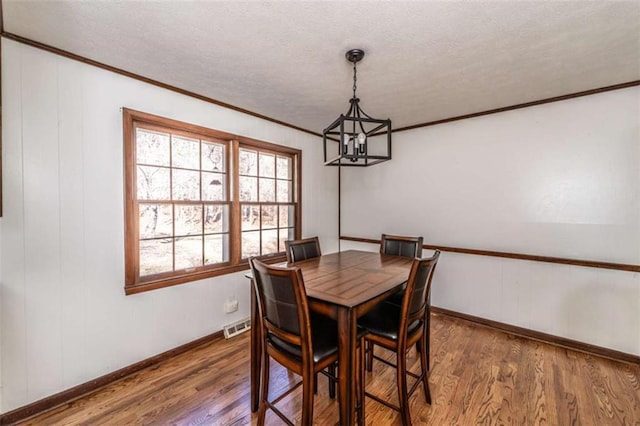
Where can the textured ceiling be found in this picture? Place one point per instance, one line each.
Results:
(424, 61)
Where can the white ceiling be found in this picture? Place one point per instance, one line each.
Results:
(424, 60)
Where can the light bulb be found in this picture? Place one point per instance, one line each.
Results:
(345, 142)
(361, 139)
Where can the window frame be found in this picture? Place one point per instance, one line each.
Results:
(132, 119)
(259, 203)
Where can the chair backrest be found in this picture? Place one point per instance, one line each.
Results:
(306, 248)
(416, 296)
(401, 246)
(282, 303)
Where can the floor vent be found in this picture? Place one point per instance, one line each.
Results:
(237, 327)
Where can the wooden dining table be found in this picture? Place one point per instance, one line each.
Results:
(343, 286)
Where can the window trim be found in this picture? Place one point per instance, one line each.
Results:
(133, 283)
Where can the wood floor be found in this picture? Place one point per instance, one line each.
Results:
(478, 376)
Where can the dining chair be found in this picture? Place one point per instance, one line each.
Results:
(397, 328)
(306, 248)
(299, 340)
(401, 246)
(398, 245)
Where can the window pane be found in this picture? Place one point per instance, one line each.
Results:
(156, 220)
(250, 244)
(286, 216)
(188, 252)
(285, 234)
(213, 187)
(267, 190)
(156, 256)
(152, 148)
(186, 185)
(248, 162)
(250, 217)
(269, 217)
(188, 220)
(216, 219)
(213, 157)
(284, 168)
(153, 183)
(270, 241)
(216, 248)
(248, 188)
(267, 165)
(284, 191)
(185, 152)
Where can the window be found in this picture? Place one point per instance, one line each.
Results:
(266, 201)
(200, 202)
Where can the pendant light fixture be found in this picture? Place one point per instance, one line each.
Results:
(362, 140)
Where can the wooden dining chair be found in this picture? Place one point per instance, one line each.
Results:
(397, 328)
(300, 341)
(401, 246)
(398, 245)
(306, 248)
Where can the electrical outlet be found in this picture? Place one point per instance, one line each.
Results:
(231, 305)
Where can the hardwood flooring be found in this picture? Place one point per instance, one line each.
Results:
(478, 376)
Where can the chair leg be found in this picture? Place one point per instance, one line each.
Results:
(264, 391)
(424, 366)
(403, 395)
(361, 383)
(369, 352)
(427, 343)
(332, 383)
(307, 398)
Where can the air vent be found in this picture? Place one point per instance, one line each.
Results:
(237, 327)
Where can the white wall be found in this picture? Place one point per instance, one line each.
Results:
(65, 318)
(560, 179)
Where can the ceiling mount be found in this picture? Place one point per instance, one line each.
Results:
(354, 55)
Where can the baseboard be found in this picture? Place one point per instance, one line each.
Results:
(80, 390)
(543, 337)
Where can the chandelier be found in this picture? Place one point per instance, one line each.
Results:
(362, 140)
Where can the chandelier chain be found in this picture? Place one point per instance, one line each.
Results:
(355, 78)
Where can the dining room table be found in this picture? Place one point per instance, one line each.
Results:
(344, 286)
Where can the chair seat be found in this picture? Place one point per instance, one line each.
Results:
(384, 321)
(324, 335)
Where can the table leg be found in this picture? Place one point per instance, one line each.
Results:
(256, 350)
(347, 322)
